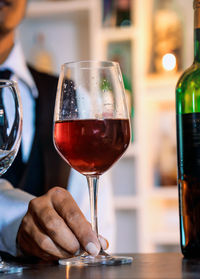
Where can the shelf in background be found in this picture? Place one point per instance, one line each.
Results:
(118, 33)
(161, 87)
(157, 80)
(126, 203)
(38, 9)
(165, 192)
(166, 238)
(132, 151)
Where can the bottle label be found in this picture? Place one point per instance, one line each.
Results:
(189, 144)
(197, 34)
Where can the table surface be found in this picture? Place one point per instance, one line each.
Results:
(155, 266)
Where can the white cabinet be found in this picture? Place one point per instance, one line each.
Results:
(147, 215)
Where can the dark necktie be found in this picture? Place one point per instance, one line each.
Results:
(14, 173)
(5, 74)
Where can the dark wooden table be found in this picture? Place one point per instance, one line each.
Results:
(155, 266)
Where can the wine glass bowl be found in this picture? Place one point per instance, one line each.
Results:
(91, 130)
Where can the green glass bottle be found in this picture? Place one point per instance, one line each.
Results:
(188, 148)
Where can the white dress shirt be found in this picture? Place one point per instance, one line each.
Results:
(17, 65)
(14, 202)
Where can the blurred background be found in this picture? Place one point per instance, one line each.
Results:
(153, 42)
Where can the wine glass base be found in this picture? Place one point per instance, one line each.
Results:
(9, 269)
(87, 260)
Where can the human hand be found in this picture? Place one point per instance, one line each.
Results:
(54, 227)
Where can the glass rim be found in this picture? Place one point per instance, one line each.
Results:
(7, 83)
(107, 64)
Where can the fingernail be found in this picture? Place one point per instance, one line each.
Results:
(92, 249)
(104, 243)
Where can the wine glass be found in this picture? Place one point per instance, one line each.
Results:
(91, 131)
(10, 136)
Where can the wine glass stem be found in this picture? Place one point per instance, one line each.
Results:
(93, 184)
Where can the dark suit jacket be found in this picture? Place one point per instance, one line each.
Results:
(45, 168)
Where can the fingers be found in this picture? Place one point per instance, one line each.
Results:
(35, 242)
(31, 249)
(67, 208)
(53, 226)
(104, 242)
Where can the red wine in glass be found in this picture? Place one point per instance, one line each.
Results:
(92, 146)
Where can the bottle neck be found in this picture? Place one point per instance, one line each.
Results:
(197, 35)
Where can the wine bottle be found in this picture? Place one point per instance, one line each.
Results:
(188, 148)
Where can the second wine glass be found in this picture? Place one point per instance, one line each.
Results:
(10, 138)
(91, 131)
